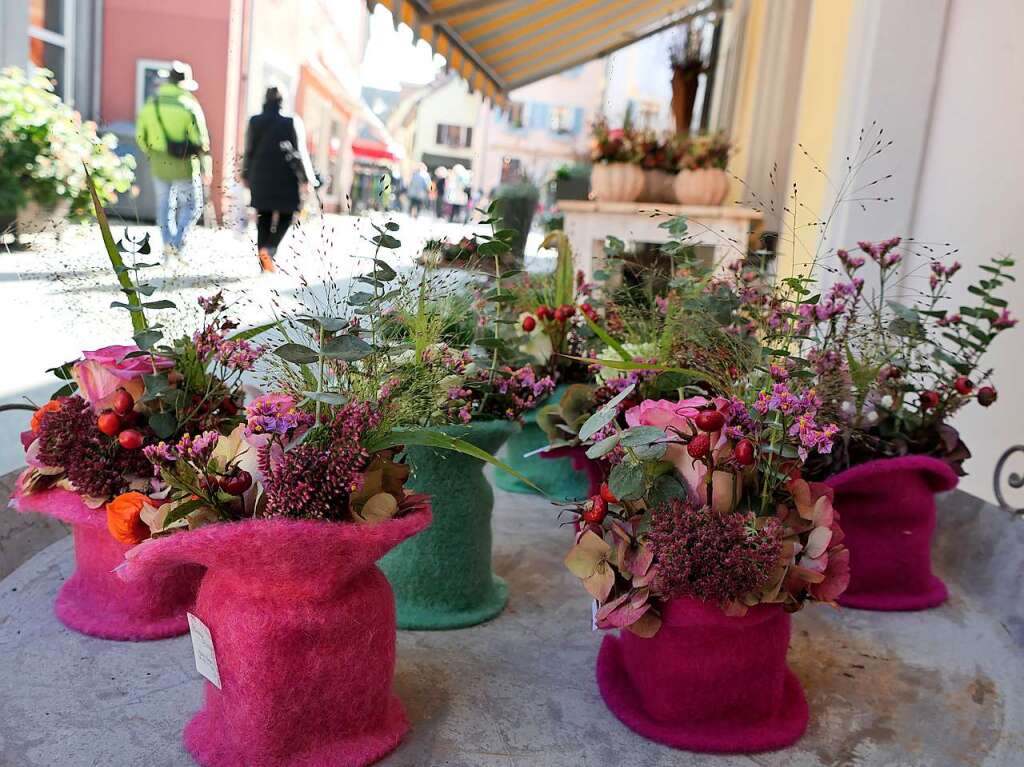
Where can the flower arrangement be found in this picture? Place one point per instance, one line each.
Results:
(705, 499)
(891, 375)
(119, 401)
(704, 151)
(613, 145)
(45, 148)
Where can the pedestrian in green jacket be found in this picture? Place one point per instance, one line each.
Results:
(171, 131)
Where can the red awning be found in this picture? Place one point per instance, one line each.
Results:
(372, 150)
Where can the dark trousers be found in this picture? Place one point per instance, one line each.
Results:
(269, 232)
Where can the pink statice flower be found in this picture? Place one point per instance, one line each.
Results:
(276, 415)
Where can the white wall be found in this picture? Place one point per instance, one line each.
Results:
(970, 194)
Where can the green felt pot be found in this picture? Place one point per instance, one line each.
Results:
(442, 578)
(556, 477)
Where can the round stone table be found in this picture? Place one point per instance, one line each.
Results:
(929, 689)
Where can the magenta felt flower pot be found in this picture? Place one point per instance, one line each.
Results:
(887, 510)
(303, 628)
(706, 681)
(94, 600)
(580, 463)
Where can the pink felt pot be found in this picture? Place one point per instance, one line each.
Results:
(887, 508)
(94, 600)
(580, 462)
(706, 681)
(303, 628)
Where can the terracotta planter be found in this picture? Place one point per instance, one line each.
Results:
(887, 511)
(708, 186)
(94, 600)
(427, 596)
(706, 681)
(303, 628)
(616, 182)
(658, 187)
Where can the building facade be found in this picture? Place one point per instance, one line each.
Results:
(105, 55)
(546, 125)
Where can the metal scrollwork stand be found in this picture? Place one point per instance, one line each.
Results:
(1014, 480)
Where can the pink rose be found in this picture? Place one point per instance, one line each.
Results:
(676, 417)
(100, 373)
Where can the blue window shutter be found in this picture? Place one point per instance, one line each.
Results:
(538, 116)
(577, 120)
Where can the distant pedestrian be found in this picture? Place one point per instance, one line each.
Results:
(171, 131)
(276, 164)
(419, 189)
(456, 193)
(440, 182)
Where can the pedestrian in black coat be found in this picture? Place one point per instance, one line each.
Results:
(276, 164)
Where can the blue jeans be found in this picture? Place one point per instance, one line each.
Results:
(178, 206)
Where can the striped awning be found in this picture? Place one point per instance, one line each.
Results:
(500, 45)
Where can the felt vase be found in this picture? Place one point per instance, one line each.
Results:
(887, 512)
(94, 600)
(303, 630)
(706, 681)
(557, 476)
(443, 578)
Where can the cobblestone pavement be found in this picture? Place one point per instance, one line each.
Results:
(55, 297)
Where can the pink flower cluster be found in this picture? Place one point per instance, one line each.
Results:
(276, 415)
(802, 409)
(234, 354)
(881, 252)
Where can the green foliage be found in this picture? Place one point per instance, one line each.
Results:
(45, 148)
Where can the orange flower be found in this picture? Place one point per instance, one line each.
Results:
(124, 518)
(37, 417)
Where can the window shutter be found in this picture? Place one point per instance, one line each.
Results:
(577, 120)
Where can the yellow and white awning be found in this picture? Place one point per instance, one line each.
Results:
(500, 45)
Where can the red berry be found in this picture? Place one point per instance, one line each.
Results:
(929, 399)
(597, 511)
(236, 484)
(744, 452)
(130, 439)
(123, 402)
(986, 396)
(699, 446)
(529, 323)
(544, 312)
(963, 385)
(709, 420)
(109, 423)
(607, 494)
(590, 311)
(569, 310)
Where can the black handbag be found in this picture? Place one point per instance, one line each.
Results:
(178, 149)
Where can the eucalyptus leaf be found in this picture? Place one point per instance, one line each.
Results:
(296, 354)
(162, 304)
(386, 241)
(147, 339)
(642, 435)
(347, 348)
(163, 424)
(326, 397)
(604, 416)
(383, 270)
(626, 481)
(603, 447)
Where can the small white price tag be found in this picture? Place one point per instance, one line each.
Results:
(202, 648)
(593, 615)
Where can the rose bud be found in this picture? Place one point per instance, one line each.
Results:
(597, 511)
(130, 439)
(986, 396)
(699, 446)
(744, 452)
(109, 423)
(709, 420)
(963, 385)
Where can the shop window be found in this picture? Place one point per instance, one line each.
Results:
(511, 169)
(49, 41)
(560, 120)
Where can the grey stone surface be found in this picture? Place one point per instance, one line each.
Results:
(22, 535)
(931, 689)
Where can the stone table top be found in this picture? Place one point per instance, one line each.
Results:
(929, 689)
